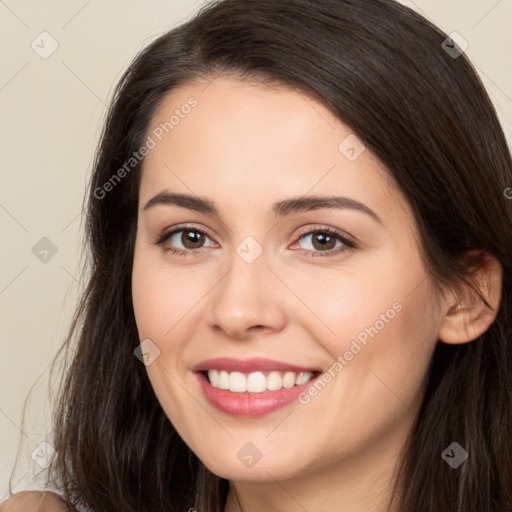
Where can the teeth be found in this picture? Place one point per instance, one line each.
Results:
(302, 378)
(256, 382)
(237, 382)
(289, 380)
(214, 377)
(274, 381)
(223, 380)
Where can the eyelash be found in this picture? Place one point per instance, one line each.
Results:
(347, 243)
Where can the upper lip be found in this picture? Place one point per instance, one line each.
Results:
(249, 365)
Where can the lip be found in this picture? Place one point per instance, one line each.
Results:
(250, 404)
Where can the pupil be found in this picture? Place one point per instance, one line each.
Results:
(192, 239)
(325, 239)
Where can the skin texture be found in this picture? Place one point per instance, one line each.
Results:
(33, 501)
(245, 146)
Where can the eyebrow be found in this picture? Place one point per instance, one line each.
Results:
(279, 209)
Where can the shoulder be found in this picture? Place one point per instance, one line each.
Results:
(34, 501)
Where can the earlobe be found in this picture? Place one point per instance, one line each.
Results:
(466, 315)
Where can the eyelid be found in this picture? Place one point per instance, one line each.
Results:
(167, 232)
(342, 234)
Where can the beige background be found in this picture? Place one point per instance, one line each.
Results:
(52, 111)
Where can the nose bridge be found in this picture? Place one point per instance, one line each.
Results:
(246, 296)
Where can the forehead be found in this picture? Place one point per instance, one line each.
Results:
(250, 144)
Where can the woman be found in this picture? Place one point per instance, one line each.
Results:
(301, 273)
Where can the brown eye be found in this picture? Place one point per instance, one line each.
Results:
(186, 241)
(323, 242)
(192, 239)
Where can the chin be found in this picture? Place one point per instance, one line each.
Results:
(256, 470)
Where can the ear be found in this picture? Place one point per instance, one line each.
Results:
(465, 314)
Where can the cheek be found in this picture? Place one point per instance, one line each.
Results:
(342, 303)
(162, 297)
(377, 324)
(163, 306)
(380, 357)
(390, 351)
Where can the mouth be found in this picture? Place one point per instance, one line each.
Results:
(252, 388)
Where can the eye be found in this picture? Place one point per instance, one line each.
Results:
(322, 242)
(183, 241)
(187, 240)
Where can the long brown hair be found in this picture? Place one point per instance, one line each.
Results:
(383, 71)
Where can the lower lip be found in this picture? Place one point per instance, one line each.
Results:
(250, 404)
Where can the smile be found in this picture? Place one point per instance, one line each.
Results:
(252, 388)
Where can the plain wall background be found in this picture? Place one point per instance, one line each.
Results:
(52, 112)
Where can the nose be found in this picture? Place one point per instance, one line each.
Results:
(247, 300)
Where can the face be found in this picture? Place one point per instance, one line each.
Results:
(318, 317)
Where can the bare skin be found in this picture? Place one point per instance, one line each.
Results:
(34, 501)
